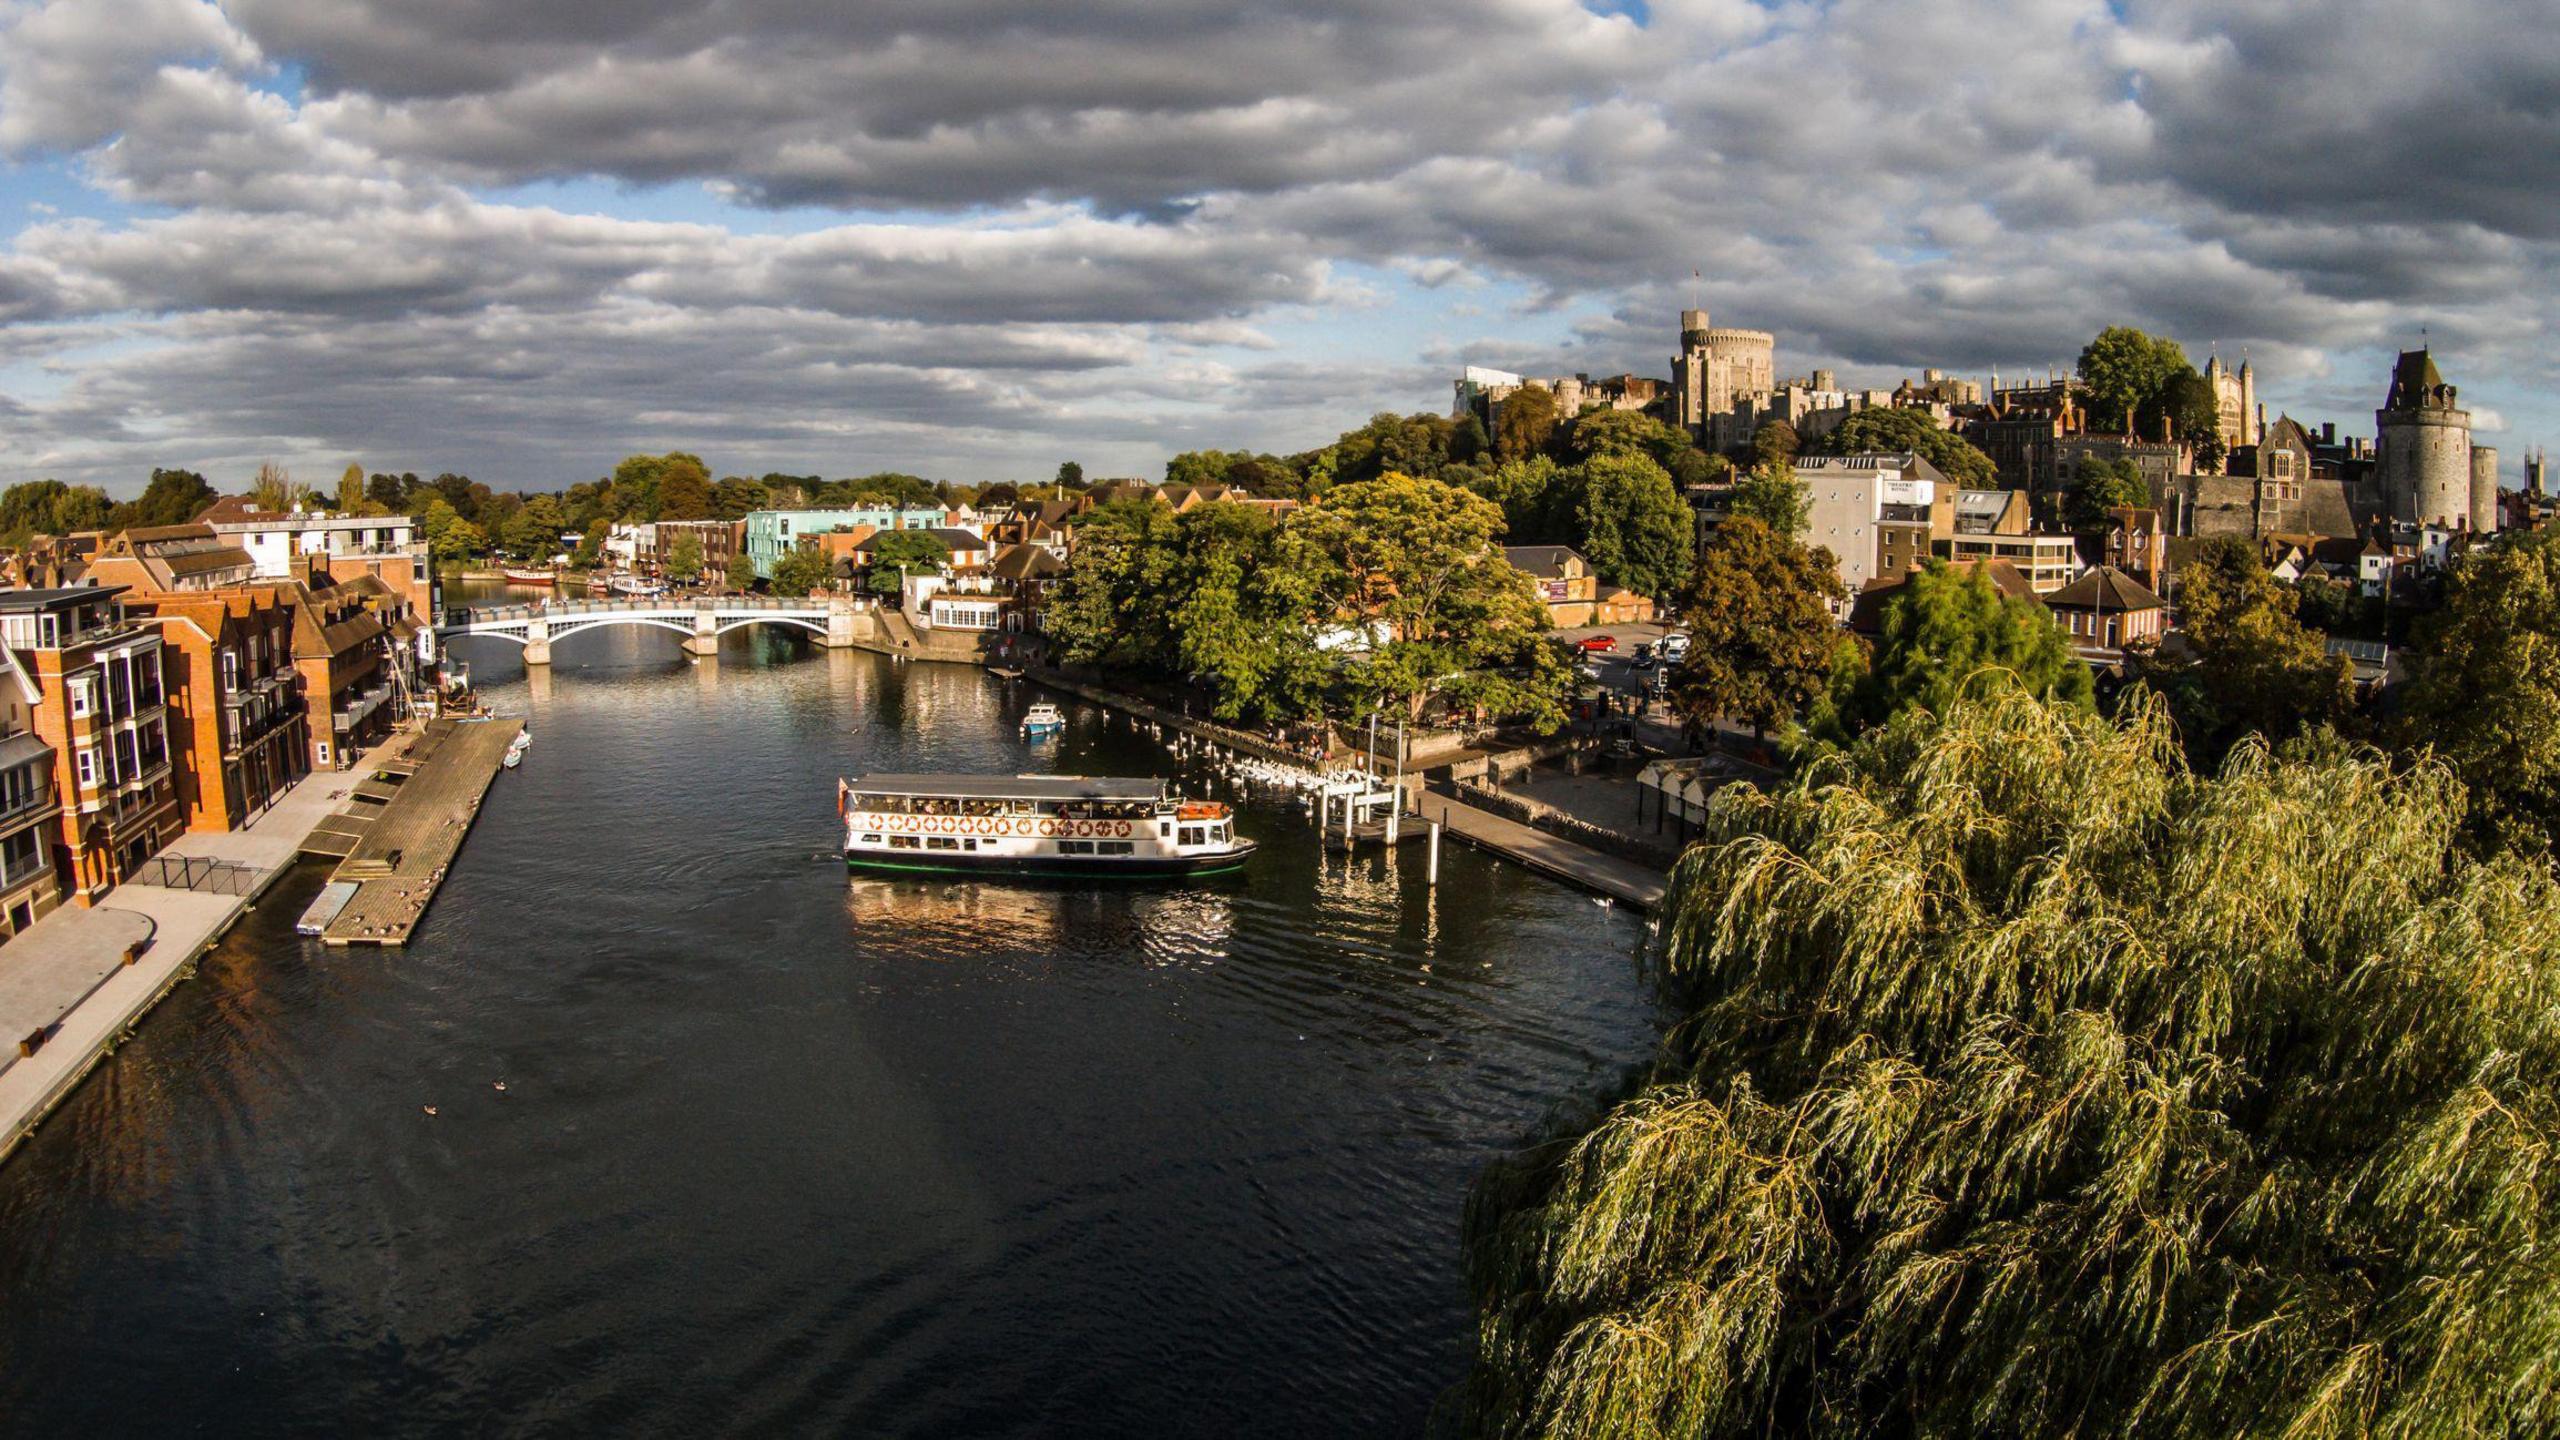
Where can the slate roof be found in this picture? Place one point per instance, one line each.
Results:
(1546, 562)
(2105, 588)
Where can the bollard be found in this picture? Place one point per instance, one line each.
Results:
(1435, 853)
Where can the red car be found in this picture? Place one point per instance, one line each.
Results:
(1592, 644)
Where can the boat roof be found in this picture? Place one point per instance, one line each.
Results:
(1011, 787)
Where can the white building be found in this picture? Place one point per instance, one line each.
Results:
(276, 541)
(1853, 495)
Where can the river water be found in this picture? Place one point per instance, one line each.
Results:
(781, 1153)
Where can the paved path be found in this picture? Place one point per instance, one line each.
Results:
(66, 977)
(1619, 879)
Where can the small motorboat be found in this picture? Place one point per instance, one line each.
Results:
(516, 749)
(635, 585)
(1042, 719)
(517, 576)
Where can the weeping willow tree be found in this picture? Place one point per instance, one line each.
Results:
(2033, 1085)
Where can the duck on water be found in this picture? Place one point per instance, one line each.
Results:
(1064, 826)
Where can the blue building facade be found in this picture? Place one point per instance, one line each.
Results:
(771, 534)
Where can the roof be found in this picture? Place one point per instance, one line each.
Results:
(237, 510)
(1009, 787)
(56, 598)
(22, 747)
(1027, 562)
(2104, 588)
(2412, 380)
(1544, 561)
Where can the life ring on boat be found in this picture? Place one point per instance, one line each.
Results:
(1048, 827)
(1124, 829)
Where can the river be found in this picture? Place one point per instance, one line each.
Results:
(780, 1153)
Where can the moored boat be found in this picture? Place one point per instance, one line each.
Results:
(635, 585)
(515, 576)
(1042, 719)
(1066, 826)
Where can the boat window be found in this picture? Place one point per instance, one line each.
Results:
(941, 842)
(1115, 847)
(969, 842)
(903, 842)
(1165, 828)
(1075, 847)
(870, 839)
(1190, 835)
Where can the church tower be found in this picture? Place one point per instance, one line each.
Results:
(2422, 452)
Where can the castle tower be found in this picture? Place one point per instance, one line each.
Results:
(2484, 489)
(2422, 451)
(1715, 368)
(2253, 421)
(2537, 479)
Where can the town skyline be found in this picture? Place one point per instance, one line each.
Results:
(972, 243)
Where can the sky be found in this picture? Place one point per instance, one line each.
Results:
(973, 238)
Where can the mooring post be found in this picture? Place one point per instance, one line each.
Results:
(1435, 853)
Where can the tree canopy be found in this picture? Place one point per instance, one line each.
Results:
(1945, 634)
(1636, 529)
(1524, 423)
(2127, 372)
(2026, 1083)
(1895, 429)
(1761, 628)
(895, 554)
(1772, 495)
(2248, 666)
(2102, 484)
(52, 508)
(2485, 689)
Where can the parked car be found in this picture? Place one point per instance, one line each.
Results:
(1597, 644)
(1644, 657)
(1675, 647)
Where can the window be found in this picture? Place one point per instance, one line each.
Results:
(902, 842)
(1075, 847)
(1190, 835)
(1114, 847)
(82, 699)
(18, 856)
(88, 765)
(870, 839)
(941, 842)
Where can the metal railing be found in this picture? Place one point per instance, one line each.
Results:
(199, 873)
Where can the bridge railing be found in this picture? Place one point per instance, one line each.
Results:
(564, 609)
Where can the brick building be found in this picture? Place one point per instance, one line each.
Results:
(101, 707)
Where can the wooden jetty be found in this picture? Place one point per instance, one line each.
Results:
(401, 856)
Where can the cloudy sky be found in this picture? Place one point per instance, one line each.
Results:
(972, 238)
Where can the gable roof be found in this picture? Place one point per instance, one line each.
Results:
(1027, 562)
(2104, 588)
(1544, 561)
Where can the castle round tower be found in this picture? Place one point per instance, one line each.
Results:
(2484, 489)
(2422, 450)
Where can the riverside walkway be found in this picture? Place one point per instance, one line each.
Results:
(401, 860)
(75, 981)
(1621, 880)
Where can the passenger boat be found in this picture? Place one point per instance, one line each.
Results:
(635, 585)
(1042, 719)
(1065, 826)
(528, 577)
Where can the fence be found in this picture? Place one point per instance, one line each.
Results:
(192, 872)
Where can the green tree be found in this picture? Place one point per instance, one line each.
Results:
(736, 497)
(895, 554)
(2100, 485)
(1414, 565)
(174, 497)
(1773, 443)
(1071, 475)
(684, 490)
(391, 492)
(351, 499)
(2025, 1083)
(590, 551)
(1524, 423)
(2248, 666)
(2485, 689)
(2194, 415)
(1636, 529)
(1470, 441)
(799, 571)
(1240, 624)
(1109, 608)
(740, 572)
(1761, 628)
(1538, 499)
(274, 489)
(450, 538)
(534, 531)
(684, 558)
(1772, 495)
(1896, 429)
(2126, 372)
(52, 508)
(1625, 432)
(1942, 633)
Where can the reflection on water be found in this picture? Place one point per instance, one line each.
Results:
(782, 1151)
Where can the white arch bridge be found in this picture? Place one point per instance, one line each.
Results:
(839, 622)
